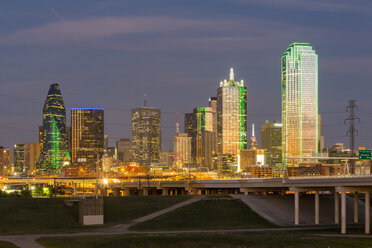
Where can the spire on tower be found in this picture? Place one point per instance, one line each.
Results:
(232, 74)
(145, 98)
(253, 131)
(177, 125)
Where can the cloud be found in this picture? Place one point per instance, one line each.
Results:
(162, 34)
(362, 7)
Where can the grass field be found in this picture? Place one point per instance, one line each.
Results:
(206, 214)
(241, 240)
(4, 244)
(30, 216)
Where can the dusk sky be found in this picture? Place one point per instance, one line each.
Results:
(110, 53)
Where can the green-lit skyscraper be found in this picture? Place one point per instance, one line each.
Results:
(231, 117)
(54, 154)
(299, 101)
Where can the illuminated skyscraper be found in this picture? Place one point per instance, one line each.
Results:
(54, 154)
(182, 149)
(299, 101)
(19, 158)
(32, 152)
(146, 135)
(231, 117)
(87, 135)
(202, 121)
(5, 161)
(271, 137)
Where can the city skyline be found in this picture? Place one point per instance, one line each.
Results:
(246, 38)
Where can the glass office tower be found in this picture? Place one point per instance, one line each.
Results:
(54, 154)
(299, 102)
(87, 135)
(146, 135)
(231, 117)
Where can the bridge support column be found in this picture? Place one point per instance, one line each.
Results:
(297, 208)
(165, 191)
(343, 212)
(356, 207)
(316, 207)
(337, 208)
(74, 185)
(367, 215)
(145, 191)
(126, 191)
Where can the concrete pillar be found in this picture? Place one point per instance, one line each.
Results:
(367, 211)
(145, 191)
(355, 207)
(297, 208)
(165, 191)
(246, 193)
(74, 185)
(127, 191)
(337, 208)
(343, 212)
(316, 207)
(116, 192)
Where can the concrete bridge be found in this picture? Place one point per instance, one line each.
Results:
(333, 185)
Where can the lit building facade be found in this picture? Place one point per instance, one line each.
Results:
(202, 121)
(5, 161)
(54, 154)
(208, 151)
(231, 118)
(299, 101)
(32, 152)
(271, 137)
(19, 158)
(87, 135)
(182, 149)
(146, 135)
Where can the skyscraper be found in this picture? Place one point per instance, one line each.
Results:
(182, 149)
(54, 154)
(5, 161)
(87, 135)
(202, 121)
(146, 135)
(32, 152)
(299, 101)
(271, 136)
(231, 118)
(19, 158)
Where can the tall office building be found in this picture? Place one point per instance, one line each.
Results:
(202, 121)
(87, 135)
(231, 118)
(5, 161)
(146, 135)
(125, 150)
(299, 102)
(182, 149)
(19, 158)
(208, 150)
(54, 154)
(271, 136)
(213, 106)
(32, 152)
